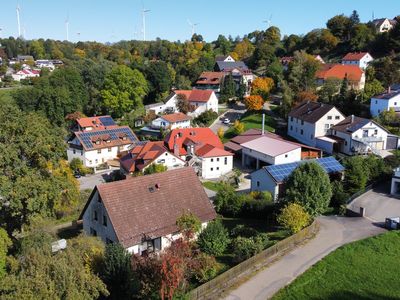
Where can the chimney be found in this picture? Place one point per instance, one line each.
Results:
(263, 125)
(176, 147)
(352, 119)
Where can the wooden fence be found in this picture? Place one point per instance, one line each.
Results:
(262, 259)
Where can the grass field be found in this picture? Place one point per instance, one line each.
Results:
(252, 120)
(212, 185)
(367, 269)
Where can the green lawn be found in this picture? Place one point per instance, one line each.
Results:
(212, 185)
(367, 269)
(251, 120)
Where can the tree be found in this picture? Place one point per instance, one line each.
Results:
(329, 91)
(5, 243)
(244, 49)
(69, 274)
(189, 224)
(254, 103)
(228, 88)
(243, 248)
(214, 239)
(238, 127)
(306, 96)
(160, 77)
(262, 86)
(361, 37)
(356, 177)
(302, 72)
(293, 217)
(227, 201)
(183, 104)
(117, 272)
(123, 90)
(220, 133)
(354, 18)
(339, 26)
(309, 185)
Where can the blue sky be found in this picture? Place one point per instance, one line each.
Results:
(107, 20)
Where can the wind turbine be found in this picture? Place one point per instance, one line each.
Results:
(144, 11)
(268, 21)
(193, 26)
(18, 21)
(67, 28)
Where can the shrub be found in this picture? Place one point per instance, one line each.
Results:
(76, 165)
(227, 201)
(244, 248)
(214, 239)
(155, 168)
(238, 127)
(243, 231)
(339, 197)
(189, 224)
(294, 217)
(206, 118)
(204, 267)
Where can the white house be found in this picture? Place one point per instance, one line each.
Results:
(360, 59)
(395, 186)
(272, 178)
(202, 149)
(143, 155)
(45, 63)
(356, 135)
(311, 120)
(384, 24)
(96, 147)
(171, 121)
(266, 150)
(140, 213)
(24, 74)
(200, 101)
(384, 102)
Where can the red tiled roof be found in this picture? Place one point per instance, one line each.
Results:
(211, 151)
(94, 122)
(141, 156)
(196, 95)
(197, 136)
(354, 55)
(353, 73)
(148, 206)
(210, 78)
(176, 117)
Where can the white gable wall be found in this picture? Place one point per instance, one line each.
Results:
(380, 105)
(215, 167)
(261, 180)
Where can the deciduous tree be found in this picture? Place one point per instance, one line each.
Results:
(294, 217)
(254, 102)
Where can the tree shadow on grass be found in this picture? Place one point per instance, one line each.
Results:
(347, 295)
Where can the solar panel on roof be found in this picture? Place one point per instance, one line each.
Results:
(86, 137)
(107, 121)
(281, 172)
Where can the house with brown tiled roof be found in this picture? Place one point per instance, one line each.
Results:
(142, 156)
(210, 81)
(384, 24)
(310, 120)
(140, 213)
(171, 121)
(199, 100)
(361, 59)
(202, 150)
(99, 140)
(354, 74)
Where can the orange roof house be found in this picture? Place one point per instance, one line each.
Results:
(354, 74)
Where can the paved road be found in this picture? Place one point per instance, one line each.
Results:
(232, 114)
(378, 204)
(90, 181)
(334, 232)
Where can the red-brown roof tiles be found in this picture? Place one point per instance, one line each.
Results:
(353, 73)
(176, 117)
(354, 55)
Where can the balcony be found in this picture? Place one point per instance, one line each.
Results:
(368, 139)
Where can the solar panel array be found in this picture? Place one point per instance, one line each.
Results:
(281, 172)
(86, 137)
(107, 121)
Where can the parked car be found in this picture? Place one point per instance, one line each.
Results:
(77, 175)
(226, 121)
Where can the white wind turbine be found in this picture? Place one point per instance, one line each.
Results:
(67, 28)
(268, 21)
(18, 20)
(193, 26)
(144, 11)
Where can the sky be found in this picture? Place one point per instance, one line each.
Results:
(114, 20)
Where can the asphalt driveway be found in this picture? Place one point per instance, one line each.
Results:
(378, 204)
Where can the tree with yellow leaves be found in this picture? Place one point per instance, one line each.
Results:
(262, 86)
(294, 217)
(254, 102)
(220, 133)
(243, 49)
(238, 127)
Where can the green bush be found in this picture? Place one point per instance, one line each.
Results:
(340, 196)
(76, 165)
(214, 239)
(243, 231)
(227, 201)
(294, 217)
(206, 118)
(204, 267)
(244, 248)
